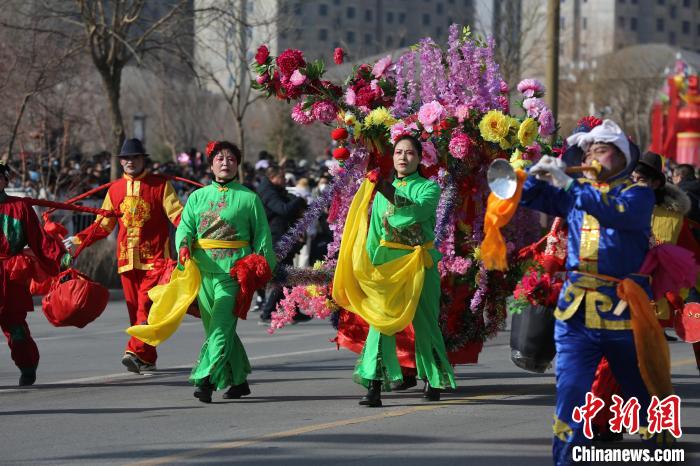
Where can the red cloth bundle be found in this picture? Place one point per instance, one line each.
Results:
(687, 323)
(252, 273)
(74, 300)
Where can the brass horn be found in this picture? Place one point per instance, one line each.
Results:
(503, 182)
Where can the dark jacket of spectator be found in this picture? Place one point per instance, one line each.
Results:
(692, 189)
(282, 208)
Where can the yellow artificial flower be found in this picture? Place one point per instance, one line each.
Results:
(518, 162)
(527, 131)
(349, 119)
(477, 253)
(494, 127)
(380, 116)
(313, 291)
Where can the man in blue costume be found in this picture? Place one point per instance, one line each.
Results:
(609, 218)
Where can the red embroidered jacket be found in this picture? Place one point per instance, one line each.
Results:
(148, 204)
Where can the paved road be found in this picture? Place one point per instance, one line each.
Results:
(86, 410)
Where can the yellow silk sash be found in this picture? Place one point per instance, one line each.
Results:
(170, 303)
(219, 244)
(385, 296)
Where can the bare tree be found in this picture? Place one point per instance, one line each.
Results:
(184, 114)
(227, 32)
(113, 39)
(621, 85)
(33, 65)
(517, 28)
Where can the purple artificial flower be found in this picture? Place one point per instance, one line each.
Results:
(546, 121)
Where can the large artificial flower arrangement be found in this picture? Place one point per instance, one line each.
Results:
(455, 102)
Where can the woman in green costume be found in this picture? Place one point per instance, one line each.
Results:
(403, 216)
(222, 223)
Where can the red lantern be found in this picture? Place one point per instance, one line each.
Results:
(339, 134)
(341, 153)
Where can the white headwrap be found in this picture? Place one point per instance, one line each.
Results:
(608, 132)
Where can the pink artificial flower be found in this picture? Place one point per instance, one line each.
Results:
(430, 114)
(297, 78)
(504, 103)
(460, 146)
(350, 96)
(262, 78)
(531, 88)
(374, 85)
(430, 155)
(301, 116)
(400, 129)
(462, 113)
(380, 67)
(546, 120)
(504, 87)
(533, 152)
(533, 106)
(324, 111)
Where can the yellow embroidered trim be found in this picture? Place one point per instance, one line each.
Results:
(590, 242)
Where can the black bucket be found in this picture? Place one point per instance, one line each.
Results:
(532, 339)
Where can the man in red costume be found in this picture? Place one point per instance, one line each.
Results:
(148, 204)
(19, 227)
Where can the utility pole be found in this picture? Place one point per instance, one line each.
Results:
(552, 75)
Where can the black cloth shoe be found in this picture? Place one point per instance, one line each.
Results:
(373, 398)
(204, 391)
(301, 317)
(237, 391)
(28, 377)
(408, 382)
(670, 337)
(431, 393)
(264, 320)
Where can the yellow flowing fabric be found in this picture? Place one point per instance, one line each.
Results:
(498, 214)
(170, 303)
(385, 296)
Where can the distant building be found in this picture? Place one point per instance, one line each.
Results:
(591, 28)
(360, 27)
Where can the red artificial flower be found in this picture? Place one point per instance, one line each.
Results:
(289, 61)
(333, 89)
(291, 91)
(338, 55)
(262, 55)
(373, 175)
(341, 153)
(212, 147)
(589, 121)
(339, 134)
(365, 97)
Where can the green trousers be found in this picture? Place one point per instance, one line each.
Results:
(378, 360)
(222, 357)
